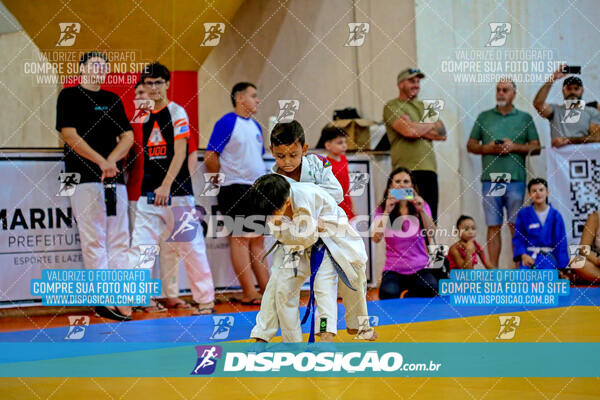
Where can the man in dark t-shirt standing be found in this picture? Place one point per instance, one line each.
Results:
(166, 211)
(97, 135)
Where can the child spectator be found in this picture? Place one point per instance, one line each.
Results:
(467, 253)
(540, 240)
(334, 140)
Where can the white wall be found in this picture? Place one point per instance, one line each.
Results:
(295, 50)
(569, 31)
(28, 107)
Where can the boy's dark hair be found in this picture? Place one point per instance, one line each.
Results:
(268, 194)
(463, 218)
(536, 181)
(330, 132)
(239, 87)
(287, 133)
(155, 70)
(139, 83)
(91, 54)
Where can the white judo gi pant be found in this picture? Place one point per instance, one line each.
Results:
(153, 226)
(167, 256)
(281, 299)
(355, 303)
(104, 240)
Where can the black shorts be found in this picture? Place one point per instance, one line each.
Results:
(233, 201)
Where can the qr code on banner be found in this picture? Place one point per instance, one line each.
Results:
(585, 191)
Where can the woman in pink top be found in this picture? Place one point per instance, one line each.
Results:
(402, 222)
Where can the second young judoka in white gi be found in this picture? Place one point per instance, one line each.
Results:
(289, 149)
(313, 217)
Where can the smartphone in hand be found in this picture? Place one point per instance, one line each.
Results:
(403, 194)
(151, 196)
(572, 69)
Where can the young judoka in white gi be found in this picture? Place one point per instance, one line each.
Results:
(289, 149)
(306, 216)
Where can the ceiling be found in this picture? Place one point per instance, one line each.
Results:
(170, 31)
(8, 23)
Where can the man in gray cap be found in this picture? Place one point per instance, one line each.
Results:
(570, 122)
(410, 139)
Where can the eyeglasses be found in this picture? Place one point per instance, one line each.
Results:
(156, 84)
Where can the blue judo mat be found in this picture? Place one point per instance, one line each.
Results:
(200, 328)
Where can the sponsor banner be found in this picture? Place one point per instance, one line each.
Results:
(574, 183)
(77, 359)
(37, 227)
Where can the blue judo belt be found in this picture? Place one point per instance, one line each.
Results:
(317, 254)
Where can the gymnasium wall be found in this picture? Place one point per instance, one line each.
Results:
(295, 50)
(568, 30)
(28, 110)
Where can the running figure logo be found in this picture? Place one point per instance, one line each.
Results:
(212, 183)
(287, 110)
(77, 323)
(578, 255)
(68, 33)
(148, 253)
(207, 359)
(142, 109)
(500, 181)
(432, 110)
(499, 33)
(212, 33)
(68, 183)
(358, 183)
(437, 255)
(222, 327)
(508, 327)
(358, 33)
(365, 324)
(291, 256)
(187, 220)
(573, 110)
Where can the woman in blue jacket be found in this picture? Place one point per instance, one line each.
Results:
(540, 240)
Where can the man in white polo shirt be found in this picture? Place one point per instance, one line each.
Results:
(235, 149)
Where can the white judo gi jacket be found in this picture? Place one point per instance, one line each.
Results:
(316, 215)
(316, 169)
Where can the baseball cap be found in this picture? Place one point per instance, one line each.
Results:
(410, 73)
(572, 80)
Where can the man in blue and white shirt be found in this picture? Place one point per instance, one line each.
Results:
(235, 149)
